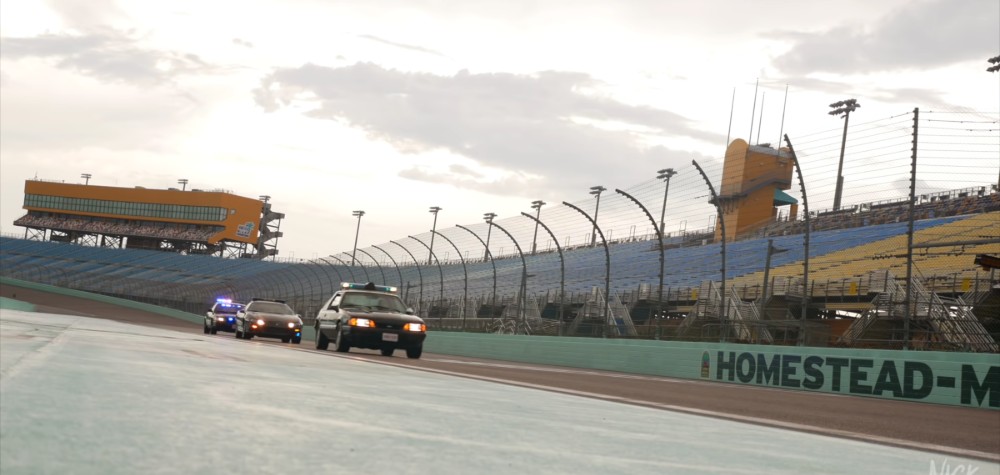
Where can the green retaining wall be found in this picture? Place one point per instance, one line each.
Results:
(11, 304)
(958, 379)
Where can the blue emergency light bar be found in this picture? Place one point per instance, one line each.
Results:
(368, 286)
(222, 300)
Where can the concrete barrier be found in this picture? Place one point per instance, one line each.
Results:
(951, 378)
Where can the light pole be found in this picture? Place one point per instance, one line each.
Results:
(86, 176)
(430, 250)
(358, 214)
(995, 61)
(665, 175)
(596, 191)
(537, 206)
(842, 107)
(183, 182)
(489, 220)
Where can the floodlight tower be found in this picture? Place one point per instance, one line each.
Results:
(358, 214)
(86, 176)
(665, 175)
(537, 206)
(183, 182)
(596, 191)
(430, 249)
(995, 61)
(489, 219)
(844, 107)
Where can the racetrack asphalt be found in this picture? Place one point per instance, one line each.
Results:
(958, 431)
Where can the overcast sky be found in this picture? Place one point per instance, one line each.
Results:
(474, 106)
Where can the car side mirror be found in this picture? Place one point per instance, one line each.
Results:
(409, 310)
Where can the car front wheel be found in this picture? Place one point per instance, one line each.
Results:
(341, 343)
(322, 342)
(387, 350)
(236, 332)
(414, 352)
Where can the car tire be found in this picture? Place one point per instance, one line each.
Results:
(297, 340)
(341, 344)
(236, 332)
(414, 352)
(322, 342)
(285, 340)
(387, 350)
(204, 327)
(213, 330)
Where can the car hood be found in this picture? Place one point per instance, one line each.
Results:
(386, 317)
(274, 317)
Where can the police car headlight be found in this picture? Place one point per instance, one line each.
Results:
(260, 322)
(291, 324)
(361, 322)
(415, 327)
(222, 319)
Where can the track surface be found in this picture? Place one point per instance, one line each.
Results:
(931, 427)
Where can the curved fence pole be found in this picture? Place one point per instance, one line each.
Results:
(368, 278)
(723, 293)
(659, 235)
(349, 270)
(420, 276)
(440, 270)
(524, 269)
(384, 280)
(805, 260)
(465, 271)
(397, 269)
(493, 299)
(607, 267)
(562, 267)
(334, 267)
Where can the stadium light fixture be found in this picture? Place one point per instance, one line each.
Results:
(995, 61)
(86, 176)
(537, 206)
(596, 191)
(430, 249)
(665, 175)
(843, 108)
(489, 220)
(358, 214)
(183, 182)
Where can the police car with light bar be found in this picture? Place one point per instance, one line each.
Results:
(269, 318)
(222, 316)
(369, 316)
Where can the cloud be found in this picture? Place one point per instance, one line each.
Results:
(108, 55)
(524, 125)
(923, 34)
(420, 49)
(242, 42)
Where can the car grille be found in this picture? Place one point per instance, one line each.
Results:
(389, 326)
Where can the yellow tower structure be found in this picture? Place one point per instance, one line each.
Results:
(754, 178)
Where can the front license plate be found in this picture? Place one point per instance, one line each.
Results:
(390, 337)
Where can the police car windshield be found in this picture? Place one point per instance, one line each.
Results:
(271, 307)
(373, 301)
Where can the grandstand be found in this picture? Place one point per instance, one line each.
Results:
(190, 222)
